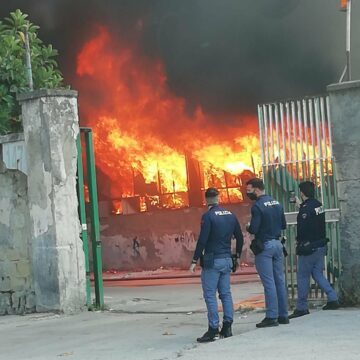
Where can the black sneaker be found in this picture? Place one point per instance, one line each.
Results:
(267, 322)
(298, 313)
(225, 331)
(210, 335)
(283, 320)
(331, 305)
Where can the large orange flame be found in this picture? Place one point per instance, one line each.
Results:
(143, 131)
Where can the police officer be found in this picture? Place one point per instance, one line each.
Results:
(311, 250)
(267, 221)
(218, 226)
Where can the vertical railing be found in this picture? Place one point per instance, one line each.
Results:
(82, 215)
(94, 216)
(295, 138)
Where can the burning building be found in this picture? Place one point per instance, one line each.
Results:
(170, 89)
(153, 154)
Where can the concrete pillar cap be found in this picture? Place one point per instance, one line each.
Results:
(31, 95)
(343, 86)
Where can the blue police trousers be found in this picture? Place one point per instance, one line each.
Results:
(312, 265)
(218, 279)
(270, 267)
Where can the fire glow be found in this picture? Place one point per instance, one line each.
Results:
(144, 137)
(314, 155)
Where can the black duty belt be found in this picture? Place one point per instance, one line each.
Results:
(222, 256)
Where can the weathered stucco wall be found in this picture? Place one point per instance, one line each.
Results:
(345, 115)
(51, 126)
(16, 282)
(158, 239)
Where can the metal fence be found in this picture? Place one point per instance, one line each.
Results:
(296, 146)
(13, 152)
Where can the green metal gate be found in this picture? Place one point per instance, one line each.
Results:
(296, 146)
(94, 217)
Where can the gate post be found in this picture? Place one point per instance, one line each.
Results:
(345, 117)
(50, 120)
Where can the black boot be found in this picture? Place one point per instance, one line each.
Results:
(210, 335)
(283, 320)
(331, 305)
(267, 322)
(226, 330)
(298, 313)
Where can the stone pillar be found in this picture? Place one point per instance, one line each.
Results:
(345, 117)
(51, 125)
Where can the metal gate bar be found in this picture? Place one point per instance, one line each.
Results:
(295, 137)
(94, 217)
(82, 215)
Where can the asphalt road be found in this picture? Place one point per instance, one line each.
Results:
(145, 322)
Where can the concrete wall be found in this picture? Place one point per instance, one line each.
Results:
(16, 282)
(152, 240)
(345, 116)
(50, 121)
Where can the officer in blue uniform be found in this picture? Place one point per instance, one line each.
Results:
(218, 226)
(267, 222)
(311, 250)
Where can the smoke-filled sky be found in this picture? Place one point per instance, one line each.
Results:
(225, 55)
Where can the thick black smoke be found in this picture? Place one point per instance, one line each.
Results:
(226, 55)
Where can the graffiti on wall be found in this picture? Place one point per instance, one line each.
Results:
(187, 239)
(155, 251)
(135, 247)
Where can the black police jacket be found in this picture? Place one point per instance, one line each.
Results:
(218, 226)
(267, 219)
(311, 222)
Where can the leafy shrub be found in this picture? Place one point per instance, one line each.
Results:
(13, 73)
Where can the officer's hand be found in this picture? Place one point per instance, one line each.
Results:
(234, 270)
(297, 202)
(192, 268)
(247, 226)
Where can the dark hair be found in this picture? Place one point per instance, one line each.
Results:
(307, 188)
(256, 183)
(211, 192)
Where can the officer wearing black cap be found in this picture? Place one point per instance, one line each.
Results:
(218, 226)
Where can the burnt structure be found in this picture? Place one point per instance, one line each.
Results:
(151, 197)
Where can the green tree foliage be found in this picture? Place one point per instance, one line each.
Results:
(13, 78)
